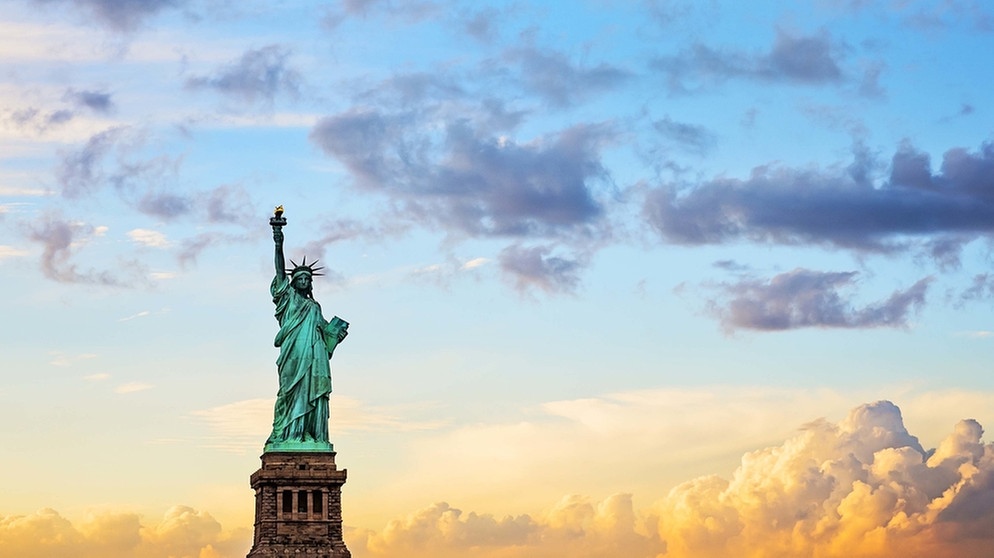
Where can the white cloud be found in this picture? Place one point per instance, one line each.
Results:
(146, 237)
(141, 314)
(475, 263)
(132, 387)
(62, 359)
(11, 252)
(98, 377)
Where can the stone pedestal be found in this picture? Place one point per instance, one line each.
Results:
(298, 506)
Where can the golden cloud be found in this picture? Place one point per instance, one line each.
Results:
(182, 533)
(860, 488)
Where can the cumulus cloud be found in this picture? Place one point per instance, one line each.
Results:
(575, 526)
(259, 75)
(805, 298)
(864, 486)
(840, 207)
(183, 532)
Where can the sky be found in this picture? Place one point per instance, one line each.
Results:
(650, 278)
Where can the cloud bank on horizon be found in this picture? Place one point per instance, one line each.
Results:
(864, 487)
(548, 149)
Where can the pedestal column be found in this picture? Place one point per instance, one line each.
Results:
(298, 506)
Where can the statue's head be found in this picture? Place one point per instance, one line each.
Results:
(301, 276)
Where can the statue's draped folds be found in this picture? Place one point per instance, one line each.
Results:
(301, 412)
(306, 342)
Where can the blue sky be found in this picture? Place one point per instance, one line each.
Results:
(647, 238)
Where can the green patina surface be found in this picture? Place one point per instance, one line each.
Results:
(293, 445)
(306, 342)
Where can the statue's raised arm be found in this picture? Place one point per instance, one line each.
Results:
(306, 342)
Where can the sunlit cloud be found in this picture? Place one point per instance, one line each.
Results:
(146, 237)
(475, 263)
(181, 532)
(861, 486)
(11, 252)
(98, 377)
(132, 387)
(62, 359)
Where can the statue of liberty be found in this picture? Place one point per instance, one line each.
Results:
(306, 342)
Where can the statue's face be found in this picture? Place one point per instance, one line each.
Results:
(302, 281)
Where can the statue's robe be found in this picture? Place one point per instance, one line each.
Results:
(306, 341)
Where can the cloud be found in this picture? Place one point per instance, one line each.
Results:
(407, 11)
(108, 158)
(182, 532)
(79, 170)
(62, 359)
(7, 252)
(60, 240)
(805, 298)
(573, 527)
(537, 267)
(981, 288)
(259, 75)
(119, 15)
(860, 486)
(692, 138)
(474, 263)
(812, 60)
(469, 183)
(97, 101)
(841, 207)
(37, 120)
(561, 83)
(132, 387)
(864, 486)
(229, 204)
(141, 314)
(482, 24)
(146, 237)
